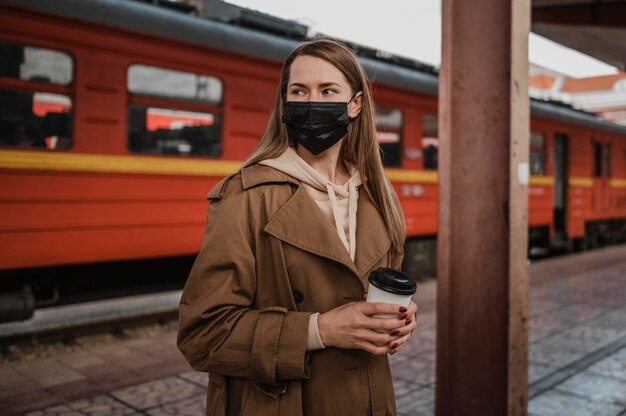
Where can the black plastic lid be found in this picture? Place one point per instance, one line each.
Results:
(393, 281)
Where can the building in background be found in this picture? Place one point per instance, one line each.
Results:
(603, 95)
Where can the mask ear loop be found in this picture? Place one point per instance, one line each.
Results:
(354, 96)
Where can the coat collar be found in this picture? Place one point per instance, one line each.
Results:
(300, 223)
(256, 174)
(252, 176)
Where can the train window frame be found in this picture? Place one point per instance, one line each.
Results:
(395, 159)
(175, 104)
(539, 150)
(41, 87)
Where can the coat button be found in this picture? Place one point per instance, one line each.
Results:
(298, 296)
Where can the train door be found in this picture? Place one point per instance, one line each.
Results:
(601, 177)
(560, 186)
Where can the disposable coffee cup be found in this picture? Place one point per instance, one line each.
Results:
(390, 286)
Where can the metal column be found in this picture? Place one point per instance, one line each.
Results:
(482, 305)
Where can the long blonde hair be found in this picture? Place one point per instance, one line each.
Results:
(359, 148)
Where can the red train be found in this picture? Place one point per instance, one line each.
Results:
(117, 118)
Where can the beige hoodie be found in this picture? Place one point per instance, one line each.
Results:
(338, 203)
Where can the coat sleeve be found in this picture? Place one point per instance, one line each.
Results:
(219, 331)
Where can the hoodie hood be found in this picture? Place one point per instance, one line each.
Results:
(338, 202)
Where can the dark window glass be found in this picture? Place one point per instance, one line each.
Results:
(166, 131)
(597, 160)
(30, 63)
(430, 141)
(606, 160)
(389, 135)
(167, 83)
(537, 153)
(35, 119)
(602, 160)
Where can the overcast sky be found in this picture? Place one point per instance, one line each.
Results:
(410, 28)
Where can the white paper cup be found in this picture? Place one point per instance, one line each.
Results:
(390, 286)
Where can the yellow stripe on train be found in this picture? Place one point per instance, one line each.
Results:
(618, 183)
(115, 163)
(159, 165)
(581, 182)
(58, 161)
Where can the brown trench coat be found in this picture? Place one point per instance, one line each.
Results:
(268, 259)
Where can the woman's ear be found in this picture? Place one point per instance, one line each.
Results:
(354, 108)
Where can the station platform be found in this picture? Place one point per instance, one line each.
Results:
(577, 361)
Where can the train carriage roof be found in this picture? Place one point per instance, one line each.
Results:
(190, 28)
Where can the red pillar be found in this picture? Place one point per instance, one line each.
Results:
(482, 305)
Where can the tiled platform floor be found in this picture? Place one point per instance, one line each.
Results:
(577, 363)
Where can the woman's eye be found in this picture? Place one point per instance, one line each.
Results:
(297, 92)
(328, 91)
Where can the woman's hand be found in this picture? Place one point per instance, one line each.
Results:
(351, 326)
(404, 332)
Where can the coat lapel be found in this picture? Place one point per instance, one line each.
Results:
(300, 223)
(372, 239)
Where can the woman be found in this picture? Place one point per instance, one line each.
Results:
(273, 308)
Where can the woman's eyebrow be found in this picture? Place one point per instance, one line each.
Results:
(323, 84)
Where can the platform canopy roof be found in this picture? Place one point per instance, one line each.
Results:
(594, 27)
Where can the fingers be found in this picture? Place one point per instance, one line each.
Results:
(375, 308)
(373, 348)
(377, 338)
(404, 332)
(406, 327)
(398, 344)
(409, 318)
(352, 326)
(383, 324)
(403, 316)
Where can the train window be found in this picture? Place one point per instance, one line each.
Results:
(173, 132)
(389, 135)
(167, 83)
(30, 63)
(30, 119)
(537, 153)
(430, 141)
(606, 160)
(602, 160)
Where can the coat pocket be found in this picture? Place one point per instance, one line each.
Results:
(216, 396)
(257, 402)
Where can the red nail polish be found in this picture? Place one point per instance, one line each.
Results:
(402, 309)
(393, 346)
(408, 321)
(403, 316)
(395, 332)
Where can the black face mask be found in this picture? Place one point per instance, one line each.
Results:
(316, 125)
